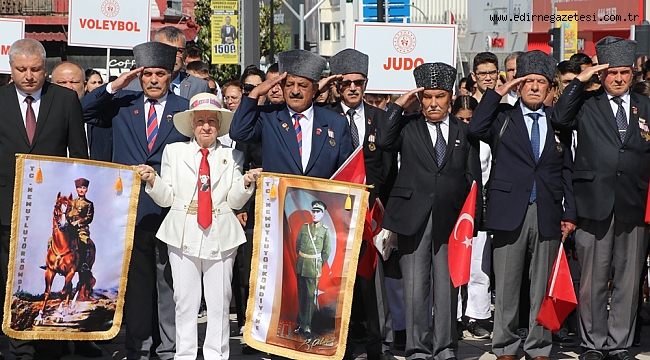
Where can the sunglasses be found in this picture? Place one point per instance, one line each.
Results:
(347, 83)
(248, 88)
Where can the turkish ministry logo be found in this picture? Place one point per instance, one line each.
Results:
(404, 41)
(110, 8)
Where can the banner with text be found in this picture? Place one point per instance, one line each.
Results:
(225, 34)
(118, 24)
(308, 233)
(71, 239)
(396, 49)
(12, 30)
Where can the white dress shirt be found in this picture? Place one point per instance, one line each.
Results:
(626, 104)
(541, 121)
(36, 103)
(358, 117)
(306, 126)
(175, 85)
(159, 106)
(512, 97)
(444, 127)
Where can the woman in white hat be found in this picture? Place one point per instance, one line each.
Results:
(202, 182)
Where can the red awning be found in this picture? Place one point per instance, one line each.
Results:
(47, 36)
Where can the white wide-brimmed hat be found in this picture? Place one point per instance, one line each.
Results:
(203, 101)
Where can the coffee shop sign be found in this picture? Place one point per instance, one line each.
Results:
(124, 64)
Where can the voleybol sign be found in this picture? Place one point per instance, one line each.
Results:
(118, 24)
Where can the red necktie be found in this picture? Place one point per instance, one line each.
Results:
(205, 193)
(152, 124)
(30, 119)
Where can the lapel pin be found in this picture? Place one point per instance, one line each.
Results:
(318, 131)
(285, 126)
(634, 110)
(224, 161)
(342, 114)
(457, 143)
(169, 118)
(369, 121)
(135, 112)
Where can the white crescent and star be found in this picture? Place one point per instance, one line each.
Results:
(468, 217)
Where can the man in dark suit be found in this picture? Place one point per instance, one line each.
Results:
(296, 137)
(142, 127)
(611, 186)
(37, 118)
(351, 66)
(438, 165)
(531, 182)
(182, 84)
(228, 32)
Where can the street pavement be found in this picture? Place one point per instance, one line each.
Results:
(468, 349)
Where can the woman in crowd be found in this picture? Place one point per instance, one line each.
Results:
(93, 80)
(232, 94)
(202, 182)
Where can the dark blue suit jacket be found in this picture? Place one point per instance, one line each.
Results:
(516, 169)
(124, 113)
(273, 127)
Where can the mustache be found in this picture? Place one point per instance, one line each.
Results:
(434, 108)
(154, 86)
(354, 92)
(531, 92)
(295, 96)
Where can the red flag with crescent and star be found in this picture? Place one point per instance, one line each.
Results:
(459, 254)
(560, 299)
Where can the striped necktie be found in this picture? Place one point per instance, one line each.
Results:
(152, 124)
(296, 126)
(535, 143)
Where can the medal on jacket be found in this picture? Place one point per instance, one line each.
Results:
(330, 133)
(371, 143)
(557, 141)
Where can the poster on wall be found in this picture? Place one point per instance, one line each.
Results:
(225, 32)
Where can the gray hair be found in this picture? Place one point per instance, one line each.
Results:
(28, 48)
(170, 33)
(512, 56)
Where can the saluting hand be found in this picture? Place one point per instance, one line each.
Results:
(325, 83)
(510, 85)
(124, 79)
(587, 73)
(407, 99)
(263, 88)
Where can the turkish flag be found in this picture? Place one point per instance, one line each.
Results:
(459, 253)
(561, 297)
(354, 170)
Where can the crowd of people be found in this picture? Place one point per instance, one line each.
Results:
(561, 151)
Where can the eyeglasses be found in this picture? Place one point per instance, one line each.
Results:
(347, 83)
(483, 74)
(233, 98)
(248, 88)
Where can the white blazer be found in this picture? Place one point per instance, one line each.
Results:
(176, 186)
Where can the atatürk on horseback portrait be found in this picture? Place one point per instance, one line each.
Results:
(69, 255)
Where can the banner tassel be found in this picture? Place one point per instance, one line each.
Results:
(274, 191)
(39, 174)
(348, 201)
(118, 183)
